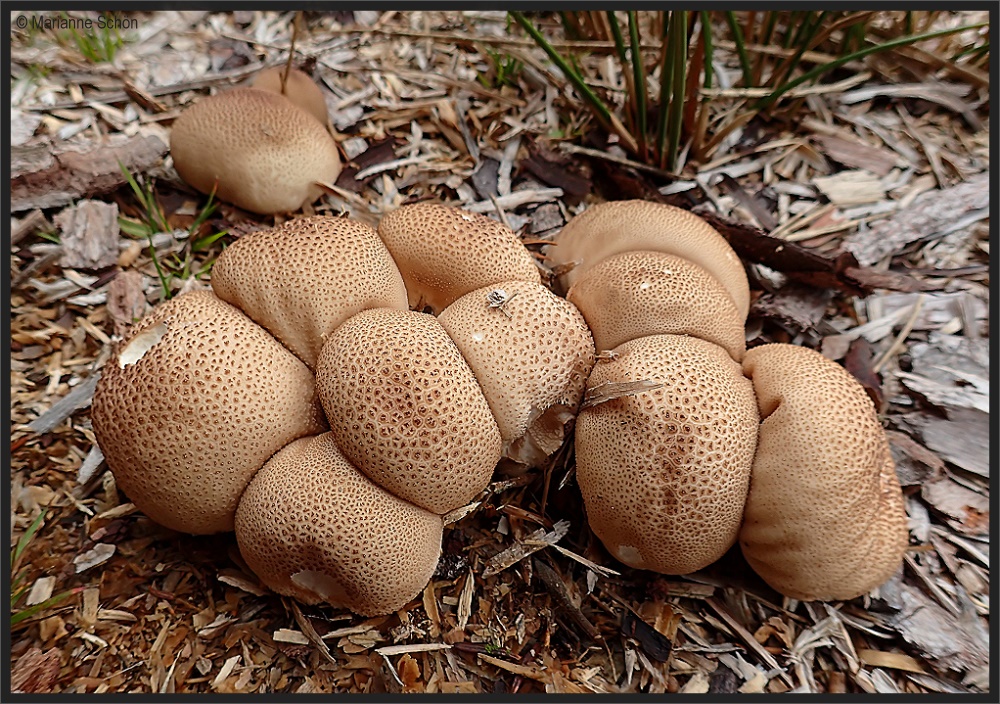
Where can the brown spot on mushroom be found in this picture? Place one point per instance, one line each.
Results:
(406, 409)
(312, 526)
(824, 518)
(255, 149)
(185, 425)
(636, 294)
(305, 277)
(664, 473)
(443, 253)
(621, 226)
(300, 89)
(531, 358)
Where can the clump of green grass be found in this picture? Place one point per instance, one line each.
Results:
(504, 70)
(177, 266)
(667, 63)
(97, 45)
(19, 586)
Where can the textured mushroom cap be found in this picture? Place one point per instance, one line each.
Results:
(304, 278)
(406, 410)
(664, 473)
(259, 151)
(299, 88)
(443, 253)
(640, 293)
(621, 226)
(824, 518)
(313, 527)
(185, 425)
(532, 366)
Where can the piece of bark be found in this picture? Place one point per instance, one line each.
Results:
(35, 671)
(555, 170)
(958, 643)
(794, 307)
(33, 222)
(126, 300)
(47, 175)
(804, 264)
(859, 362)
(915, 464)
(963, 438)
(79, 397)
(930, 213)
(965, 510)
(856, 155)
(90, 234)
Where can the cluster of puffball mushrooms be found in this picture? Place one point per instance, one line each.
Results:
(341, 388)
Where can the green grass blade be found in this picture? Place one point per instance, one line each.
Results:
(639, 81)
(678, 41)
(25, 540)
(47, 604)
(868, 51)
(666, 73)
(597, 106)
(706, 33)
(741, 49)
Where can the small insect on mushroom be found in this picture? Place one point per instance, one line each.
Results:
(498, 298)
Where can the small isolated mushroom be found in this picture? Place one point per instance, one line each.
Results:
(255, 149)
(406, 410)
(299, 88)
(312, 526)
(664, 472)
(443, 253)
(635, 294)
(305, 277)
(635, 225)
(825, 517)
(531, 352)
(192, 404)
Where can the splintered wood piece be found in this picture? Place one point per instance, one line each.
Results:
(610, 390)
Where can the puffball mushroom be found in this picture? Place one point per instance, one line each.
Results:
(299, 88)
(406, 409)
(531, 352)
(313, 527)
(353, 515)
(304, 278)
(444, 253)
(635, 294)
(664, 473)
(825, 517)
(254, 149)
(637, 225)
(193, 402)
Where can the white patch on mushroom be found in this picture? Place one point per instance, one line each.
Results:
(320, 584)
(629, 555)
(644, 285)
(141, 344)
(478, 336)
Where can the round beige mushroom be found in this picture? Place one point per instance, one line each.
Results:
(531, 352)
(664, 472)
(313, 527)
(622, 226)
(255, 149)
(305, 277)
(192, 404)
(824, 518)
(299, 88)
(443, 253)
(635, 294)
(406, 410)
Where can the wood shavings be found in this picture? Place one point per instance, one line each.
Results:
(97, 555)
(532, 543)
